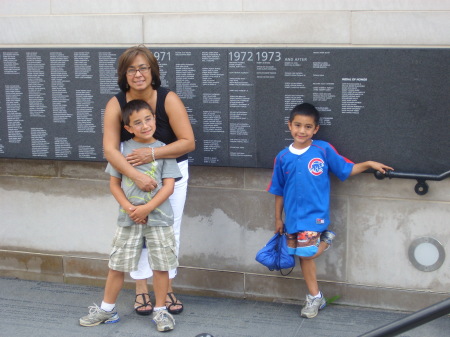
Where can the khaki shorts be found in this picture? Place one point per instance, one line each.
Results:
(127, 246)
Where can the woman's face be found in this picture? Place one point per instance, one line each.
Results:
(139, 75)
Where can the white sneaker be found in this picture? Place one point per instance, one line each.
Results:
(97, 316)
(312, 306)
(163, 320)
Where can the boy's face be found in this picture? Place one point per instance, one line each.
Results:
(142, 125)
(303, 128)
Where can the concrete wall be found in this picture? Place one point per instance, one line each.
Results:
(57, 217)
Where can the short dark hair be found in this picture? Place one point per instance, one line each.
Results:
(305, 109)
(132, 106)
(128, 57)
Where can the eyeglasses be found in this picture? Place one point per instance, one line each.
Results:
(142, 70)
(139, 124)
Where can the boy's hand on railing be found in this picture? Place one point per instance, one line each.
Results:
(380, 167)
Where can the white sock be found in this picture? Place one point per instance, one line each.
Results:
(107, 306)
(319, 295)
(159, 308)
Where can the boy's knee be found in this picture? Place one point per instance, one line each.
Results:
(312, 257)
(308, 257)
(116, 274)
(161, 272)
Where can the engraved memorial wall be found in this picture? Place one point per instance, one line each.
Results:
(389, 105)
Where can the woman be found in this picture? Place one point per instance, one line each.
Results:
(138, 78)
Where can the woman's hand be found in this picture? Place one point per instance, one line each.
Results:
(144, 182)
(140, 156)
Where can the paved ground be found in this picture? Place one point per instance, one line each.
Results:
(36, 309)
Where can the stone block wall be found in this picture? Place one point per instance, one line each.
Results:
(57, 217)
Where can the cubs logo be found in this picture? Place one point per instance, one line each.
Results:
(315, 166)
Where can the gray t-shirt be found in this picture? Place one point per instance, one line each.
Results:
(158, 170)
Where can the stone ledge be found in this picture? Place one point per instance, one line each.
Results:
(213, 283)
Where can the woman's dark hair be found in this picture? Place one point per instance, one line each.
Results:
(132, 106)
(305, 109)
(128, 57)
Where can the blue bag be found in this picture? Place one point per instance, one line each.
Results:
(274, 255)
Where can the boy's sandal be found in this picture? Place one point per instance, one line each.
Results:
(139, 305)
(174, 302)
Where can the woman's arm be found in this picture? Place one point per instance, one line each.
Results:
(181, 126)
(111, 141)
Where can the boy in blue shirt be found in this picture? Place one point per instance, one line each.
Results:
(301, 185)
(142, 216)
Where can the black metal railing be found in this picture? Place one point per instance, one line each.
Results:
(411, 321)
(421, 187)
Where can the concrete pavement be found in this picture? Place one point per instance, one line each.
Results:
(31, 308)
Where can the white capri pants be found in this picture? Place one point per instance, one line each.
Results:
(177, 201)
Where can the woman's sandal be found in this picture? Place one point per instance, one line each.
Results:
(174, 302)
(138, 305)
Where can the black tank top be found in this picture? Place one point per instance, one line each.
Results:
(163, 131)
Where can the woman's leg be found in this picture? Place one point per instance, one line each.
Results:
(177, 201)
(141, 275)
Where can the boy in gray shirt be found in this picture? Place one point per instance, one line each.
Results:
(142, 215)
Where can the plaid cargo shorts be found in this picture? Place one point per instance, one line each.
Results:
(127, 246)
